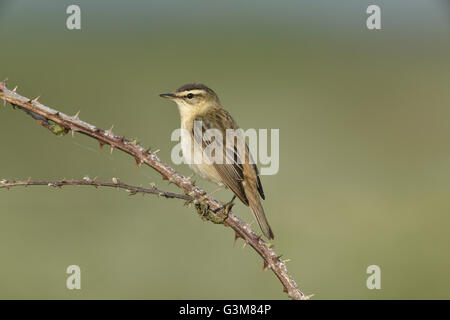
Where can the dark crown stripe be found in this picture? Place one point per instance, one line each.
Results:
(195, 86)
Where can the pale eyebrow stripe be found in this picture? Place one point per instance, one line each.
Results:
(194, 92)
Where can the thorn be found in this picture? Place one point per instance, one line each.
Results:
(276, 259)
(147, 150)
(94, 179)
(131, 192)
(112, 149)
(245, 244)
(3, 83)
(115, 180)
(101, 145)
(109, 132)
(4, 102)
(72, 132)
(15, 89)
(265, 266)
(287, 260)
(36, 99)
(76, 116)
(236, 237)
(152, 185)
(122, 139)
(86, 178)
(156, 151)
(138, 162)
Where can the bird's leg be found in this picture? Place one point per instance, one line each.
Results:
(226, 207)
(187, 202)
(212, 192)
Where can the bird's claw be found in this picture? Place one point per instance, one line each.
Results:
(226, 208)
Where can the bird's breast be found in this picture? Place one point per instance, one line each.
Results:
(194, 156)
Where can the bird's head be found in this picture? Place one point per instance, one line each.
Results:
(193, 99)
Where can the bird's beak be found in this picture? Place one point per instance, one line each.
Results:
(168, 96)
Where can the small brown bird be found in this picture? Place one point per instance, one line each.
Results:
(199, 104)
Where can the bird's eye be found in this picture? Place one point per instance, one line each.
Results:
(190, 95)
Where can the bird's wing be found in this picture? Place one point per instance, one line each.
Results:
(231, 169)
(259, 184)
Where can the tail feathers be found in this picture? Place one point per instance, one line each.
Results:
(258, 211)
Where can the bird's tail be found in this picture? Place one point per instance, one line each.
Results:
(257, 209)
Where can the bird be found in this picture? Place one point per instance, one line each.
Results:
(197, 103)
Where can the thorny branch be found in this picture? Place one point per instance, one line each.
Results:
(60, 124)
(116, 183)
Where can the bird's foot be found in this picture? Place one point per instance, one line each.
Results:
(226, 207)
(206, 213)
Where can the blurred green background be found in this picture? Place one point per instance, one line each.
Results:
(364, 153)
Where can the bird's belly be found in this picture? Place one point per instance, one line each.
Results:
(207, 171)
(193, 156)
